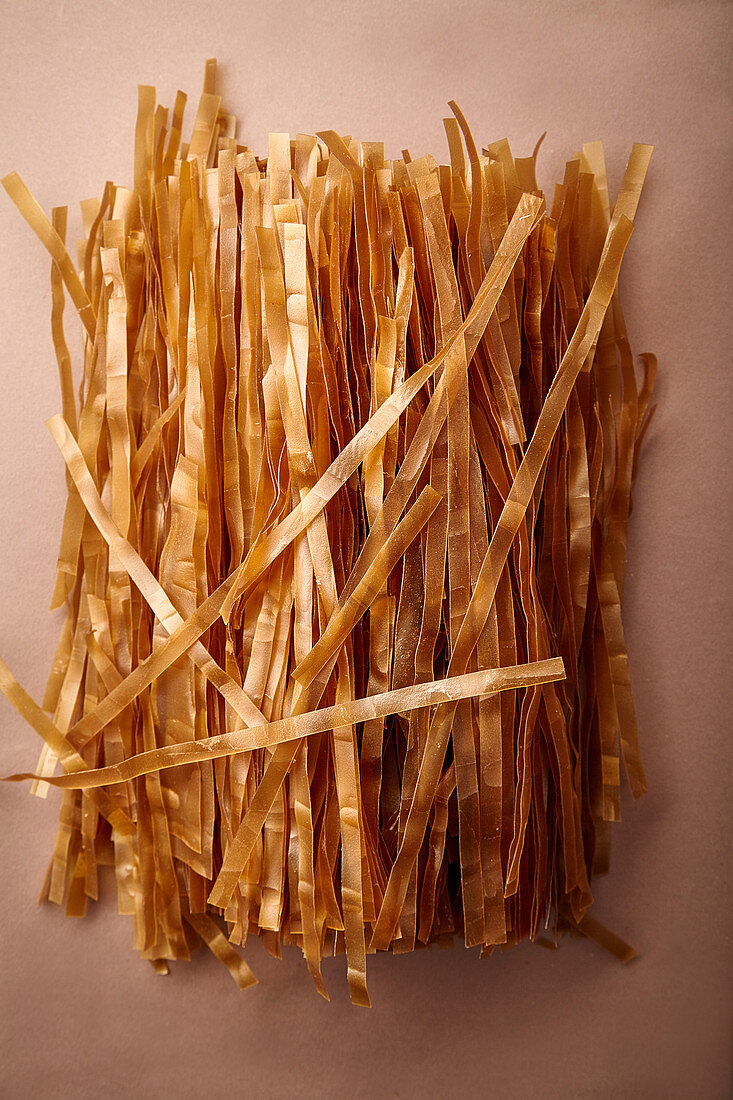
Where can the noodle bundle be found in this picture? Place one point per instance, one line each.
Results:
(349, 448)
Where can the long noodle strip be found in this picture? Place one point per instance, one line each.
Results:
(270, 734)
(350, 444)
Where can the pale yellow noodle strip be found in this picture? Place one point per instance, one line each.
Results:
(48, 236)
(269, 734)
(118, 424)
(63, 358)
(203, 127)
(210, 75)
(297, 288)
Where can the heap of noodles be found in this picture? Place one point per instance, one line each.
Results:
(350, 445)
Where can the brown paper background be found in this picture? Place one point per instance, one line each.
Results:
(80, 1016)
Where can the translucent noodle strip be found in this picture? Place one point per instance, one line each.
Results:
(305, 725)
(218, 944)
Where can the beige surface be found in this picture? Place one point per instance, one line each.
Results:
(81, 1016)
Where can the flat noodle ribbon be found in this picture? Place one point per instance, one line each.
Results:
(270, 734)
